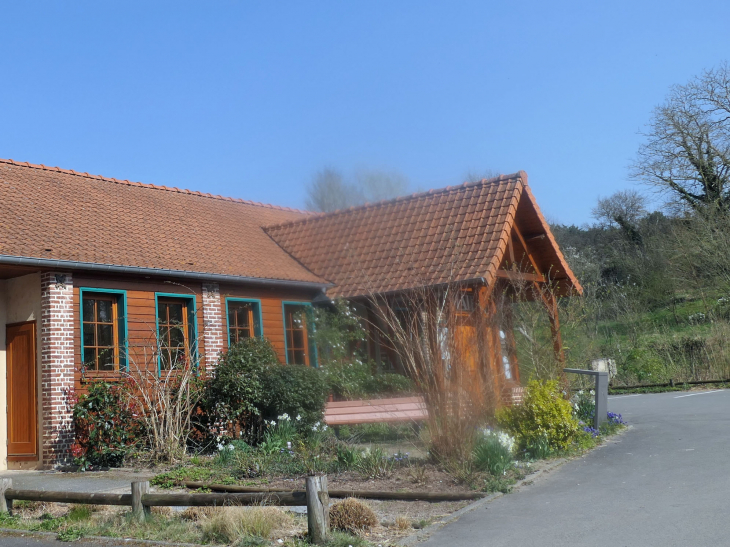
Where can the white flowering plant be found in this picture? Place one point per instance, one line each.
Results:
(494, 451)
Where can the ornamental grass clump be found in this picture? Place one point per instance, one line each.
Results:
(231, 524)
(353, 516)
(544, 417)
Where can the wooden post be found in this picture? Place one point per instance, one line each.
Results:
(552, 305)
(6, 505)
(318, 509)
(140, 512)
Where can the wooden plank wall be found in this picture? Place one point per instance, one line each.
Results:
(141, 315)
(271, 310)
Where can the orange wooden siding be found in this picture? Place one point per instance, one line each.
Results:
(141, 316)
(271, 311)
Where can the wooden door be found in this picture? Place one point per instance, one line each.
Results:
(21, 386)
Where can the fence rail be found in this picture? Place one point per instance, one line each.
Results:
(141, 500)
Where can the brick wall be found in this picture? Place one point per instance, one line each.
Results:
(57, 367)
(213, 339)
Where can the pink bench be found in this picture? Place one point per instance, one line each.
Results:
(403, 409)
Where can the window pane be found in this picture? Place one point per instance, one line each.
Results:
(164, 336)
(88, 309)
(165, 359)
(106, 359)
(90, 358)
(104, 311)
(299, 358)
(244, 312)
(177, 337)
(89, 334)
(105, 335)
(297, 341)
(176, 313)
(162, 312)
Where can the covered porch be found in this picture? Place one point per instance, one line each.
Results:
(36, 367)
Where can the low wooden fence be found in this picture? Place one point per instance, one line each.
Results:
(141, 500)
(315, 497)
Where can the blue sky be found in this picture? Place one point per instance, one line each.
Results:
(250, 99)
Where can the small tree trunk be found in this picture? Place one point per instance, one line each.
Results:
(318, 510)
(139, 511)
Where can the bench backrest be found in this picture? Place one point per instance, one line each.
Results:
(403, 409)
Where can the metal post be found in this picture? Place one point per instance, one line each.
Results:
(601, 399)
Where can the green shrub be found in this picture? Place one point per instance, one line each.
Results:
(543, 414)
(377, 432)
(234, 391)
(107, 428)
(387, 383)
(294, 390)
(249, 387)
(642, 365)
(355, 380)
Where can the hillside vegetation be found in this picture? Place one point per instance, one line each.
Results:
(656, 299)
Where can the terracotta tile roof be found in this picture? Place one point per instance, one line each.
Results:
(454, 234)
(51, 213)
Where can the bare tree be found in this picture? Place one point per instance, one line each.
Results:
(328, 191)
(625, 207)
(379, 185)
(686, 155)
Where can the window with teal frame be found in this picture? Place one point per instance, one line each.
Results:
(103, 328)
(244, 320)
(177, 330)
(298, 333)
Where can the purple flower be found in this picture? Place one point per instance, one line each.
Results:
(615, 419)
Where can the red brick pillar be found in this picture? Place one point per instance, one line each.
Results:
(57, 367)
(213, 336)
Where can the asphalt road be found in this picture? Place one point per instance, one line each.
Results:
(664, 482)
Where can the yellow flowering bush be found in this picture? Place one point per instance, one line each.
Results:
(544, 417)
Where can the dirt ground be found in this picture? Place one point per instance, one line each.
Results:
(403, 479)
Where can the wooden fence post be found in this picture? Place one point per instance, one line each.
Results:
(318, 509)
(140, 512)
(6, 505)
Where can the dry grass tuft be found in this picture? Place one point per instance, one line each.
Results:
(352, 515)
(196, 514)
(232, 523)
(162, 511)
(402, 523)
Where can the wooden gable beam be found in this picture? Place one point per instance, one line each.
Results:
(520, 276)
(517, 232)
(551, 304)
